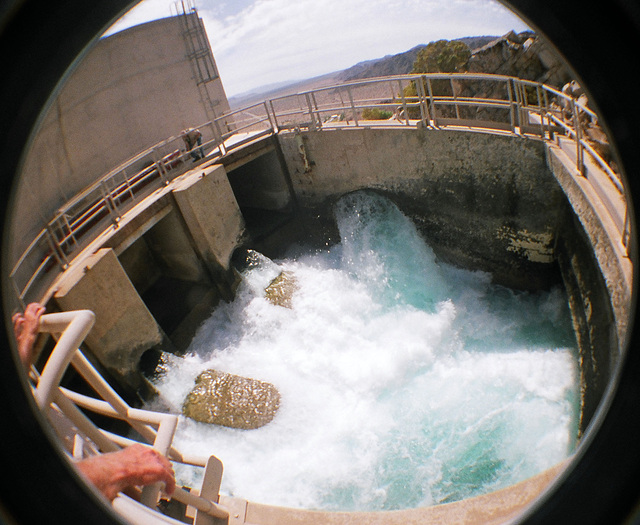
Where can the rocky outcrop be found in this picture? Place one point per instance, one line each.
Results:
(231, 401)
(522, 55)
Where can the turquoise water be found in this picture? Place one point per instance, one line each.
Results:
(404, 382)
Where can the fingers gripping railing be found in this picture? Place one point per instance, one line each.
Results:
(70, 329)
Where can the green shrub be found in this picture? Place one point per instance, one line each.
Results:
(376, 114)
(443, 56)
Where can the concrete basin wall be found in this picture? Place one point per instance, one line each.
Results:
(498, 203)
(483, 202)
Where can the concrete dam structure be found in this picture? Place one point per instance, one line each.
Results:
(504, 213)
(521, 197)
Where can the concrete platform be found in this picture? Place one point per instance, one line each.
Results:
(498, 507)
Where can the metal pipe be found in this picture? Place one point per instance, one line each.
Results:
(74, 326)
(203, 505)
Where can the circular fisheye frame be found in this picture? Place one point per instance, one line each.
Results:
(40, 39)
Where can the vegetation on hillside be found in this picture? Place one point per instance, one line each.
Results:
(442, 56)
(376, 114)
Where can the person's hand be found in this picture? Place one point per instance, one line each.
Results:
(25, 328)
(133, 466)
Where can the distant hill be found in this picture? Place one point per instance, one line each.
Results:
(402, 63)
(280, 90)
(399, 64)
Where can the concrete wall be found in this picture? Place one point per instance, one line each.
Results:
(152, 280)
(133, 89)
(261, 184)
(124, 327)
(482, 201)
(597, 277)
(507, 205)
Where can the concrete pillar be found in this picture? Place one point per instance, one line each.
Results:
(212, 215)
(124, 327)
(173, 251)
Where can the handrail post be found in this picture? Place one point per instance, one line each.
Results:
(65, 218)
(547, 112)
(454, 97)
(223, 149)
(432, 102)
(404, 103)
(539, 96)
(162, 443)
(275, 115)
(109, 203)
(159, 167)
(512, 106)
(17, 292)
(216, 137)
(128, 183)
(56, 249)
(353, 106)
(75, 326)
(317, 111)
(424, 107)
(271, 124)
(312, 124)
(578, 132)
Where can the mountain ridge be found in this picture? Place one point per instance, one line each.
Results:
(392, 64)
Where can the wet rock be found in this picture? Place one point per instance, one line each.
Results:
(281, 289)
(231, 401)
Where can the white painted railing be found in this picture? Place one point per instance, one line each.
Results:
(158, 429)
(523, 107)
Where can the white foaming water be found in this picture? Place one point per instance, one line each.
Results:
(403, 382)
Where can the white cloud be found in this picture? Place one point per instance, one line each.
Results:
(264, 41)
(274, 40)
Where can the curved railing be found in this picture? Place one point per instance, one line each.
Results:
(434, 101)
(64, 406)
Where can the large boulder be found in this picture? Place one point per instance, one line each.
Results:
(231, 401)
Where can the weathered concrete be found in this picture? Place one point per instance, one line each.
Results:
(597, 277)
(495, 203)
(261, 183)
(133, 89)
(185, 232)
(172, 250)
(212, 215)
(124, 327)
(512, 206)
(603, 232)
(499, 507)
(482, 201)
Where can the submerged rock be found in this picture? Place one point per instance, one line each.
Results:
(231, 401)
(281, 289)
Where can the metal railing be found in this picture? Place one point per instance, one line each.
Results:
(434, 101)
(75, 224)
(157, 429)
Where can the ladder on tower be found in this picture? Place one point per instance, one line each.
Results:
(199, 53)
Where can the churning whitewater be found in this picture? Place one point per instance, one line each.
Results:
(404, 382)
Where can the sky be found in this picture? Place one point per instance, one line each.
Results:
(261, 42)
